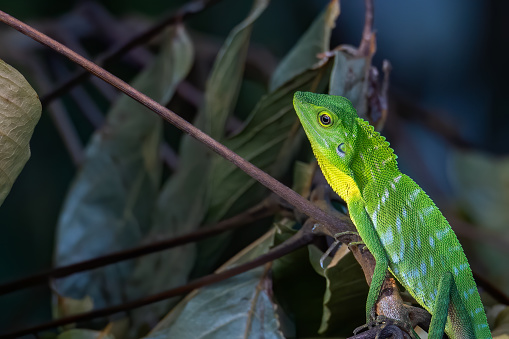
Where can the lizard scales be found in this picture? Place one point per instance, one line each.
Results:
(417, 239)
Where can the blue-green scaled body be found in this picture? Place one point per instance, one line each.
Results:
(398, 222)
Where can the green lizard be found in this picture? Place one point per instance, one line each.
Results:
(398, 222)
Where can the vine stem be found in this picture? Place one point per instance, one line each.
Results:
(265, 179)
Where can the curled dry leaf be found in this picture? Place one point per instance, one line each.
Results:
(20, 110)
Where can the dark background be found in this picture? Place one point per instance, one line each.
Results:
(448, 58)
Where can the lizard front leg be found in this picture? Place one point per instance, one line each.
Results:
(366, 229)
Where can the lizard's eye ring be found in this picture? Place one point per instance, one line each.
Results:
(325, 119)
(341, 149)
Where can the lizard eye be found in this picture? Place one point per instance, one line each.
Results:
(325, 119)
(340, 150)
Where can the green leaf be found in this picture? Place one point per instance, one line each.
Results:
(224, 82)
(305, 53)
(20, 110)
(239, 307)
(344, 301)
(109, 207)
(184, 199)
(269, 139)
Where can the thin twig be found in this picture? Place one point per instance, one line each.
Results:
(302, 238)
(185, 11)
(302, 204)
(262, 210)
(365, 45)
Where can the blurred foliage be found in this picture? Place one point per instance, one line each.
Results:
(481, 185)
(221, 72)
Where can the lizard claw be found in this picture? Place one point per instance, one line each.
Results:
(326, 254)
(386, 327)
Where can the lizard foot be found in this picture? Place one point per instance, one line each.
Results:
(337, 235)
(336, 243)
(345, 233)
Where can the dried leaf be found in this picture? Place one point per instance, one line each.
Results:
(20, 110)
(501, 326)
(349, 78)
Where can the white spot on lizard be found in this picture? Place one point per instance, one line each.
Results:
(402, 249)
(428, 210)
(387, 237)
(414, 194)
(440, 234)
(398, 223)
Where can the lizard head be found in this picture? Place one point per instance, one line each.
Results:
(329, 123)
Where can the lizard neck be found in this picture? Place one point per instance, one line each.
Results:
(374, 162)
